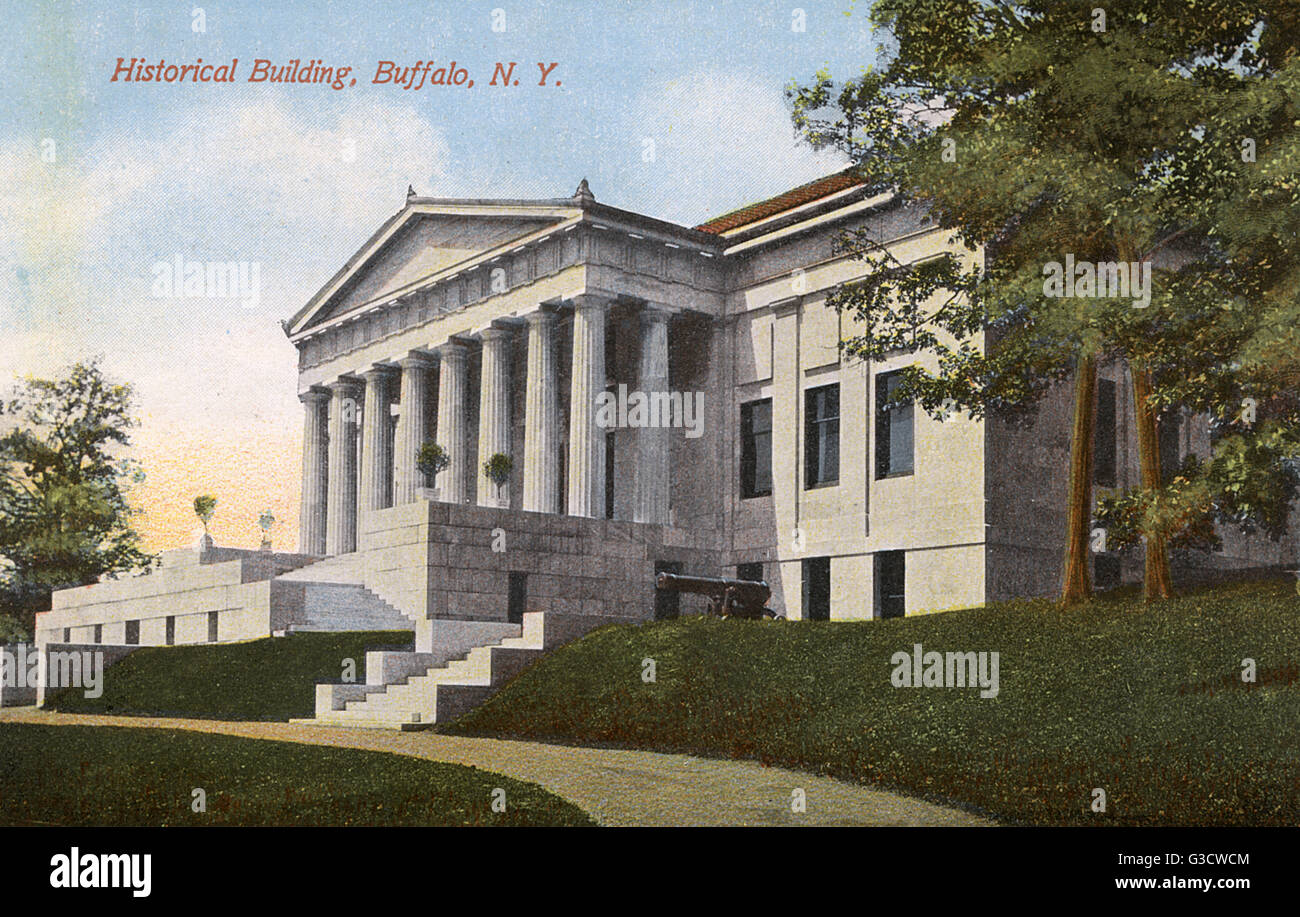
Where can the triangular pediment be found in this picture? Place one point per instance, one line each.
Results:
(427, 237)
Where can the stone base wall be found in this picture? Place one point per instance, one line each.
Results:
(448, 561)
(188, 586)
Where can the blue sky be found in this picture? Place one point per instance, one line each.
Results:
(297, 177)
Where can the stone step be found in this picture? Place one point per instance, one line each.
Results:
(444, 692)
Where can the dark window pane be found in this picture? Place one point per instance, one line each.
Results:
(756, 448)
(890, 582)
(1104, 434)
(822, 435)
(894, 429)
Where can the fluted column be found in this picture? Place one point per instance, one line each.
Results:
(586, 440)
(652, 440)
(341, 513)
(376, 459)
(452, 410)
(541, 416)
(494, 412)
(315, 477)
(412, 430)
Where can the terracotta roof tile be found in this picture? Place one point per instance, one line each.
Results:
(795, 197)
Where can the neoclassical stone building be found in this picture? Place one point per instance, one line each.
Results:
(500, 327)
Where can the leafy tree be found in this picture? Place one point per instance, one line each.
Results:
(497, 469)
(65, 519)
(205, 505)
(1036, 130)
(432, 459)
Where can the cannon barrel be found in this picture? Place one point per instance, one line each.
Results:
(750, 592)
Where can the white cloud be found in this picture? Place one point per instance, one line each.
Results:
(246, 182)
(721, 140)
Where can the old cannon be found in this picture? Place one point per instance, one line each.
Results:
(728, 598)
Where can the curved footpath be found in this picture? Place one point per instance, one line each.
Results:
(615, 786)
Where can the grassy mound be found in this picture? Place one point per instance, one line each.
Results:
(111, 776)
(1144, 702)
(270, 679)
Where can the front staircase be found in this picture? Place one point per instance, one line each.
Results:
(426, 695)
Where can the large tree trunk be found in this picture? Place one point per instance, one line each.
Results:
(1076, 584)
(1157, 583)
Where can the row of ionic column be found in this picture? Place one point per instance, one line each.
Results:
(333, 490)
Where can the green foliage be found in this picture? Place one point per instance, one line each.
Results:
(107, 776)
(498, 468)
(1026, 133)
(269, 679)
(204, 506)
(432, 459)
(65, 517)
(13, 631)
(1144, 700)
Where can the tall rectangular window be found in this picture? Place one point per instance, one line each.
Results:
(816, 575)
(821, 436)
(891, 581)
(132, 632)
(212, 627)
(894, 431)
(1104, 435)
(517, 597)
(756, 448)
(99, 633)
(609, 475)
(171, 630)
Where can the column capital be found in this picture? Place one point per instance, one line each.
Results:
(651, 313)
(314, 395)
(494, 333)
(589, 302)
(378, 372)
(540, 317)
(453, 350)
(416, 360)
(345, 385)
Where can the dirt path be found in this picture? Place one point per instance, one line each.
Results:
(616, 787)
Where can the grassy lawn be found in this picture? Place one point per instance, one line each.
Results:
(270, 679)
(111, 776)
(1145, 702)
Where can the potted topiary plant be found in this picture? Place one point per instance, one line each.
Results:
(497, 469)
(264, 522)
(432, 460)
(204, 506)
